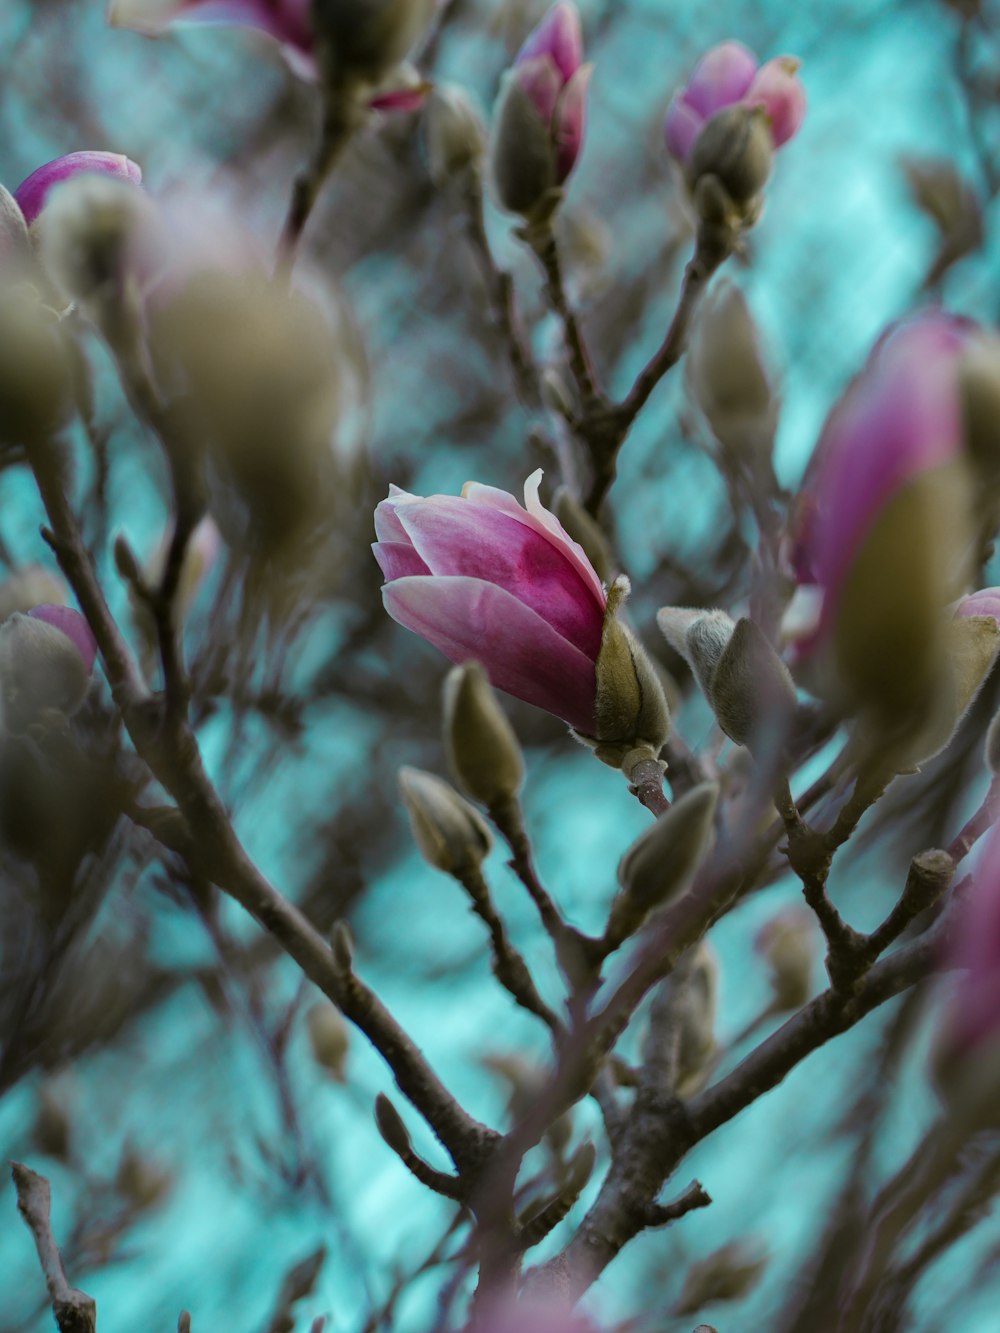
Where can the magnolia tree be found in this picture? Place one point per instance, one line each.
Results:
(793, 694)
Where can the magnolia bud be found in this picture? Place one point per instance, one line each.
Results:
(522, 162)
(91, 232)
(342, 946)
(585, 530)
(449, 832)
(390, 1125)
(727, 1274)
(726, 375)
(736, 148)
(142, 1180)
(752, 693)
(632, 720)
(30, 586)
(45, 663)
(700, 637)
(328, 1038)
(364, 39)
(660, 865)
(15, 243)
(483, 751)
(456, 135)
(788, 944)
(36, 369)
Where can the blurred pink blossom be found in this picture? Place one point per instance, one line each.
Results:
(32, 193)
(900, 417)
(479, 576)
(73, 625)
(974, 1014)
(729, 74)
(550, 69)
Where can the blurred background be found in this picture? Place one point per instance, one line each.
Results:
(203, 1130)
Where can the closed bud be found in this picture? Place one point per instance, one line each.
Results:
(45, 663)
(36, 369)
(736, 148)
(449, 832)
(455, 134)
(585, 530)
(342, 946)
(483, 751)
(700, 637)
(632, 720)
(660, 865)
(93, 230)
(362, 40)
(142, 1180)
(15, 243)
(329, 1038)
(787, 943)
(727, 1274)
(390, 1125)
(751, 691)
(522, 163)
(726, 375)
(30, 586)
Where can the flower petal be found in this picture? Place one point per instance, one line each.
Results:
(559, 37)
(387, 526)
(985, 602)
(720, 78)
(570, 121)
(536, 516)
(539, 81)
(32, 193)
(73, 625)
(682, 127)
(779, 91)
(398, 560)
(287, 21)
(456, 536)
(466, 618)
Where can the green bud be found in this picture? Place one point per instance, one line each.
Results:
(522, 163)
(328, 1038)
(483, 751)
(726, 375)
(449, 832)
(660, 865)
(390, 1126)
(632, 720)
(455, 135)
(751, 692)
(584, 530)
(736, 148)
(364, 39)
(36, 368)
(787, 943)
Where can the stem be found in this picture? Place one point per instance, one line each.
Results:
(340, 119)
(74, 1310)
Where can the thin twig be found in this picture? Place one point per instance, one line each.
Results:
(74, 1310)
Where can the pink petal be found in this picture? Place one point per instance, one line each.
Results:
(720, 78)
(779, 91)
(387, 526)
(985, 602)
(558, 36)
(398, 560)
(539, 80)
(570, 121)
(401, 99)
(32, 193)
(682, 127)
(456, 536)
(466, 618)
(536, 516)
(73, 625)
(287, 21)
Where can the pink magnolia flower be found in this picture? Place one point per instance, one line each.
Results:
(32, 193)
(479, 576)
(73, 625)
(901, 417)
(729, 74)
(550, 70)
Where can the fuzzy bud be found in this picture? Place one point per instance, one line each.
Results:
(521, 160)
(363, 40)
(483, 751)
(15, 243)
(328, 1039)
(342, 946)
(36, 373)
(390, 1126)
(787, 943)
(752, 693)
(45, 663)
(455, 135)
(660, 865)
(449, 832)
(726, 375)
(632, 720)
(737, 149)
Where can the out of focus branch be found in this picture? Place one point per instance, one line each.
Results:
(74, 1310)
